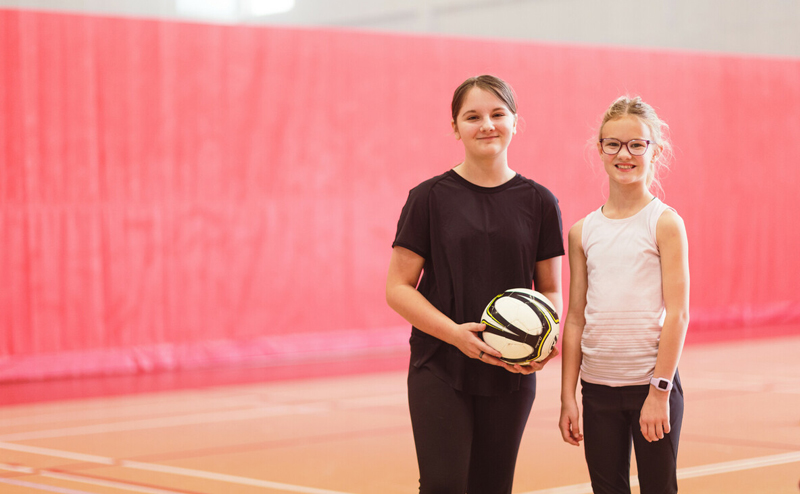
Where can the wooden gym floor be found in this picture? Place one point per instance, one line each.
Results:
(351, 434)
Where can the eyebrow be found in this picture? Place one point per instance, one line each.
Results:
(503, 108)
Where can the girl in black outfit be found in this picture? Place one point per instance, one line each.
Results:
(472, 233)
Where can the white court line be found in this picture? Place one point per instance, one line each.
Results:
(152, 467)
(84, 479)
(735, 466)
(690, 472)
(127, 409)
(209, 417)
(41, 487)
(221, 477)
(175, 421)
(105, 483)
(16, 468)
(57, 453)
(683, 473)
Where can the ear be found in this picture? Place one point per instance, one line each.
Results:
(455, 130)
(657, 150)
(514, 130)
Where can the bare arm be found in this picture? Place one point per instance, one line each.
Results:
(405, 269)
(569, 422)
(547, 281)
(674, 248)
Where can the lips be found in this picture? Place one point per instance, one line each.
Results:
(625, 167)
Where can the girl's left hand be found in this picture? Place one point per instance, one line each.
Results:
(654, 417)
(531, 367)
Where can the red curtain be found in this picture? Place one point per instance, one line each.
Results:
(175, 195)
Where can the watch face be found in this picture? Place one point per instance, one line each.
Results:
(662, 384)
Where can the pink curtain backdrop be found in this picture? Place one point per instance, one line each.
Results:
(176, 195)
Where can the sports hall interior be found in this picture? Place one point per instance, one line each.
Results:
(198, 201)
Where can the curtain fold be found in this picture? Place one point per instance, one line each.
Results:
(175, 195)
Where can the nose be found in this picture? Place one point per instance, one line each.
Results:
(487, 125)
(623, 151)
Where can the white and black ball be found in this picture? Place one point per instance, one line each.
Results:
(521, 324)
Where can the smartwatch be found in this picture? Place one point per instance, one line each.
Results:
(661, 383)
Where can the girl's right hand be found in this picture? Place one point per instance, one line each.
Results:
(473, 346)
(570, 422)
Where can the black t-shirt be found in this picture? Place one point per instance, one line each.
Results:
(477, 242)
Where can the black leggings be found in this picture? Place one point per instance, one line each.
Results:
(611, 423)
(465, 443)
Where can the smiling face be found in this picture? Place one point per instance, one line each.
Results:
(484, 124)
(623, 167)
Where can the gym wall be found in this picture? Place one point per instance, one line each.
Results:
(177, 195)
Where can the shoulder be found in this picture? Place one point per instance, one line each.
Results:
(576, 232)
(542, 196)
(670, 219)
(577, 228)
(420, 195)
(537, 187)
(427, 185)
(575, 244)
(670, 226)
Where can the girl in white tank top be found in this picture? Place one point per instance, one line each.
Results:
(628, 314)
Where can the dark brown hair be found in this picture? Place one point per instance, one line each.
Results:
(490, 83)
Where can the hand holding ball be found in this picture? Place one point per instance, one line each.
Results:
(522, 325)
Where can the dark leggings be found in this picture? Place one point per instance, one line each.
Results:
(611, 424)
(465, 443)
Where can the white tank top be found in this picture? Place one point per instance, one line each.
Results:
(624, 301)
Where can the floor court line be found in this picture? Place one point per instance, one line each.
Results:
(121, 412)
(738, 465)
(222, 477)
(690, 472)
(85, 479)
(209, 417)
(16, 468)
(378, 402)
(22, 448)
(683, 473)
(41, 487)
(262, 445)
(108, 483)
(175, 421)
(188, 472)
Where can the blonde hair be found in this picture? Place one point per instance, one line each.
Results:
(624, 106)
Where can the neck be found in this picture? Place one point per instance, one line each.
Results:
(486, 173)
(624, 201)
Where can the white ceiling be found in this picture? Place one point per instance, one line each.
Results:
(765, 27)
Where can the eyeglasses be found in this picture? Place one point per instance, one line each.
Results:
(636, 147)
